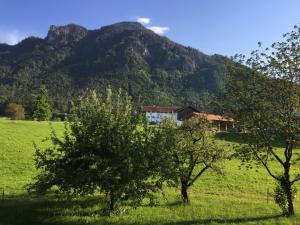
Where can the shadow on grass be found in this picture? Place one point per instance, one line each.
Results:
(25, 211)
(175, 204)
(230, 136)
(243, 138)
(86, 211)
(225, 221)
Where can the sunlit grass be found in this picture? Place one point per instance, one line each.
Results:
(16, 148)
(238, 197)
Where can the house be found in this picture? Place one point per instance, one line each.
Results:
(156, 114)
(217, 122)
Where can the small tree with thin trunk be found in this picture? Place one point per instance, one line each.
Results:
(189, 151)
(264, 92)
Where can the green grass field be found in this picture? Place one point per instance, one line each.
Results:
(239, 197)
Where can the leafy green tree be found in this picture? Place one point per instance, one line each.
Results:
(108, 146)
(189, 151)
(264, 92)
(42, 109)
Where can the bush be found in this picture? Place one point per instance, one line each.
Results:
(15, 111)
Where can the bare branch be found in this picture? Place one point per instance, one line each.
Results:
(267, 168)
(276, 156)
(296, 179)
(198, 175)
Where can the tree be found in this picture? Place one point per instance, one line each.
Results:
(42, 110)
(108, 146)
(189, 152)
(15, 111)
(264, 92)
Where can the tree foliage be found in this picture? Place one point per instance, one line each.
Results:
(108, 146)
(265, 91)
(42, 110)
(190, 151)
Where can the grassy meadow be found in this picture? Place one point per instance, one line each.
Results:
(239, 197)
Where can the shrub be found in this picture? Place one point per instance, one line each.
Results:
(15, 111)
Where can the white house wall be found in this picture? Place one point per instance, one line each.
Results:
(158, 117)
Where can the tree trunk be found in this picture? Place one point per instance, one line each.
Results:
(113, 202)
(184, 193)
(290, 207)
(288, 190)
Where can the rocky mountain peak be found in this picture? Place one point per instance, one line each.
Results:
(66, 34)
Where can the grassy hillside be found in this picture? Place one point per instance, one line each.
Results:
(16, 148)
(240, 197)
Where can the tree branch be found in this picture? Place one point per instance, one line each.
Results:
(296, 179)
(270, 149)
(276, 156)
(198, 175)
(267, 168)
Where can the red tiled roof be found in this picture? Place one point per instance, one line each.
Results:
(212, 117)
(161, 109)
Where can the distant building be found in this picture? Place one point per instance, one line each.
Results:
(156, 114)
(217, 122)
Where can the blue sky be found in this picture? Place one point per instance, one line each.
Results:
(212, 26)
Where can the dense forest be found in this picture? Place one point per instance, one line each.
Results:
(72, 59)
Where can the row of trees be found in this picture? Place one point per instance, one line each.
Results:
(110, 147)
(41, 108)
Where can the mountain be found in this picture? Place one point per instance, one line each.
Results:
(72, 59)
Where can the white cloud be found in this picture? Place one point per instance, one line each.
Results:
(159, 30)
(147, 21)
(143, 20)
(11, 37)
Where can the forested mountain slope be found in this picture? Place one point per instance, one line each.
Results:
(72, 59)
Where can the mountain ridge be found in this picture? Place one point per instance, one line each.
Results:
(71, 59)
